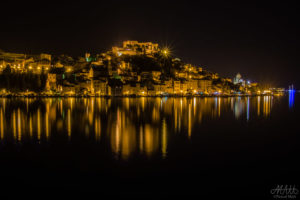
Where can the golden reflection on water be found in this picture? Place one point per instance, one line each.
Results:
(267, 105)
(258, 105)
(2, 124)
(19, 126)
(47, 120)
(14, 125)
(164, 138)
(128, 125)
(39, 124)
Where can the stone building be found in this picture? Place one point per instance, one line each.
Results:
(135, 48)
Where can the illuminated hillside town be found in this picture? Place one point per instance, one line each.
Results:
(135, 69)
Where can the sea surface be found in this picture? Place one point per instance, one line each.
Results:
(149, 147)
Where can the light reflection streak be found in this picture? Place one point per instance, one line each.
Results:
(150, 140)
(39, 125)
(116, 135)
(98, 129)
(69, 124)
(189, 121)
(2, 125)
(14, 125)
(266, 106)
(30, 126)
(27, 104)
(258, 105)
(61, 106)
(47, 121)
(141, 141)
(219, 106)
(19, 126)
(164, 139)
(291, 98)
(194, 105)
(175, 116)
(238, 107)
(248, 108)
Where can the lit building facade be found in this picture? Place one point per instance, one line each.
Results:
(25, 63)
(135, 48)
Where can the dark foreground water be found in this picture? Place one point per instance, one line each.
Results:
(149, 147)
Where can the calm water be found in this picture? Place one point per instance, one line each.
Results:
(149, 146)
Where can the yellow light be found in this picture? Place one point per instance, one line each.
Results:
(166, 52)
(29, 67)
(195, 91)
(38, 68)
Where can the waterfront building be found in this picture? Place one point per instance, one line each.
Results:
(83, 87)
(134, 89)
(205, 85)
(69, 89)
(180, 87)
(99, 87)
(51, 82)
(183, 87)
(192, 85)
(176, 87)
(159, 89)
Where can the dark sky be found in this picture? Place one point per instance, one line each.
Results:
(259, 40)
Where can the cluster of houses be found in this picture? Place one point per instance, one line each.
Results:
(107, 74)
(24, 63)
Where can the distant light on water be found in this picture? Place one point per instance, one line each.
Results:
(248, 108)
(291, 98)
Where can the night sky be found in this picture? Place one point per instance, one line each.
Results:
(259, 40)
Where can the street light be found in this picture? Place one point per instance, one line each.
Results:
(166, 52)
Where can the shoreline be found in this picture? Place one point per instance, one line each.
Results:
(133, 96)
